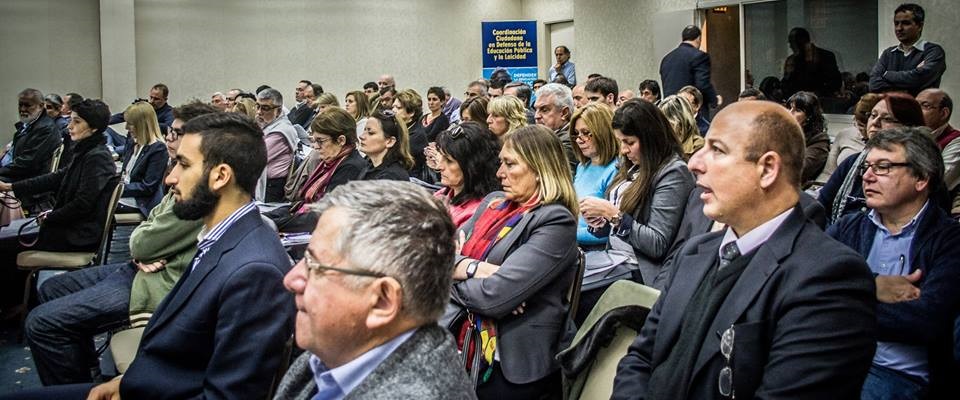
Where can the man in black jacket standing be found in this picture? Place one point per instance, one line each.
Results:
(687, 65)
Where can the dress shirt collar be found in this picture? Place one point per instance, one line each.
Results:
(912, 225)
(757, 236)
(919, 45)
(348, 376)
(210, 237)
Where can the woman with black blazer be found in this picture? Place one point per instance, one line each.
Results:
(144, 160)
(517, 260)
(386, 143)
(76, 221)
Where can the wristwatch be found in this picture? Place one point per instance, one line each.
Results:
(615, 221)
(472, 268)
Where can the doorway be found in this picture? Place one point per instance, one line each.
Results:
(721, 27)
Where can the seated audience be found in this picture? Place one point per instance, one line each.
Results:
(602, 90)
(649, 90)
(913, 249)
(513, 272)
(476, 89)
(334, 143)
(755, 310)
(76, 221)
(246, 107)
(367, 317)
(371, 89)
(408, 107)
(504, 115)
(579, 98)
(553, 109)
(385, 100)
(843, 192)
(281, 139)
(680, 114)
(474, 109)
(467, 162)
(625, 95)
(386, 144)
(597, 149)
(693, 95)
(31, 151)
(644, 204)
(356, 104)
(523, 92)
(451, 107)
(850, 141)
(805, 107)
(144, 161)
(937, 109)
(76, 306)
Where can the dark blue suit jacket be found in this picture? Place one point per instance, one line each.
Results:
(146, 177)
(804, 323)
(684, 66)
(221, 331)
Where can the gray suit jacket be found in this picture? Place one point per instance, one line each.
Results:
(803, 313)
(538, 261)
(423, 367)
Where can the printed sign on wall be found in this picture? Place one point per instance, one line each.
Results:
(510, 46)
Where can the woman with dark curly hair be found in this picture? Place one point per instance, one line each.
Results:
(805, 107)
(467, 160)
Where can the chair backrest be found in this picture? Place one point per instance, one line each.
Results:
(55, 159)
(573, 294)
(123, 347)
(111, 208)
(596, 381)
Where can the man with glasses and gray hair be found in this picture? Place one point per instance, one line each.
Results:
(373, 282)
(553, 109)
(767, 307)
(913, 248)
(282, 142)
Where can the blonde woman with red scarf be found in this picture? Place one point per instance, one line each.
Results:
(517, 260)
(333, 134)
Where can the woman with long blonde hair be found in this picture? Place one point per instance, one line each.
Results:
(144, 161)
(680, 114)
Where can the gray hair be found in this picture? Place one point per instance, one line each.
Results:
(33, 94)
(921, 151)
(400, 230)
(562, 96)
(271, 94)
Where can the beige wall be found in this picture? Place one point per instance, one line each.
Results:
(50, 45)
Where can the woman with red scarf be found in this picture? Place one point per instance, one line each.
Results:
(334, 138)
(517, 262)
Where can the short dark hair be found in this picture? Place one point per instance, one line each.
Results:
(603, 85)
(247, 95)
(690, 32)
(95, 112)
(651, 85)
(565, 49)
(476, 150)
(304, 81)
(233, 139)
(163, 89)
(915, 9)
(524, 92)
(262, 88)
(752, 92)
(810, 105)
(921, 151)
(476, 107)
(438, 91)
(540, 81)
(192, 110)
(317, 89)
(697, 95)
(371, 85)
(72, 99)
(594, 76)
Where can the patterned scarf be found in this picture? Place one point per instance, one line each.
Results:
(480, 333)
(316, 185)
(843, 195)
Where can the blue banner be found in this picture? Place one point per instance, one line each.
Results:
(510, 46)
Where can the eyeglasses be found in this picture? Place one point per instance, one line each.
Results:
(725, 380)
(265, 107)
(174, 133)
(455, 131)
(319, 140)
(582, 134)
(929, 106)
(880, 168)
(314, 265)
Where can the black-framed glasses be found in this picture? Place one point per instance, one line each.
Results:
(880, 168)
(725, 380)
(455, 131)
(314, 265)
(174, 133)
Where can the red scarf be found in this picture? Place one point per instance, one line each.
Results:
(316, 185)
(495, 222)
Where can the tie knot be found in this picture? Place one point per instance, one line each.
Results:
(729, 252)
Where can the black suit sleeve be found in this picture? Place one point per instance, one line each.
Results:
(33, 150)
(96, 172)
(701, 79)
(155, 165)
